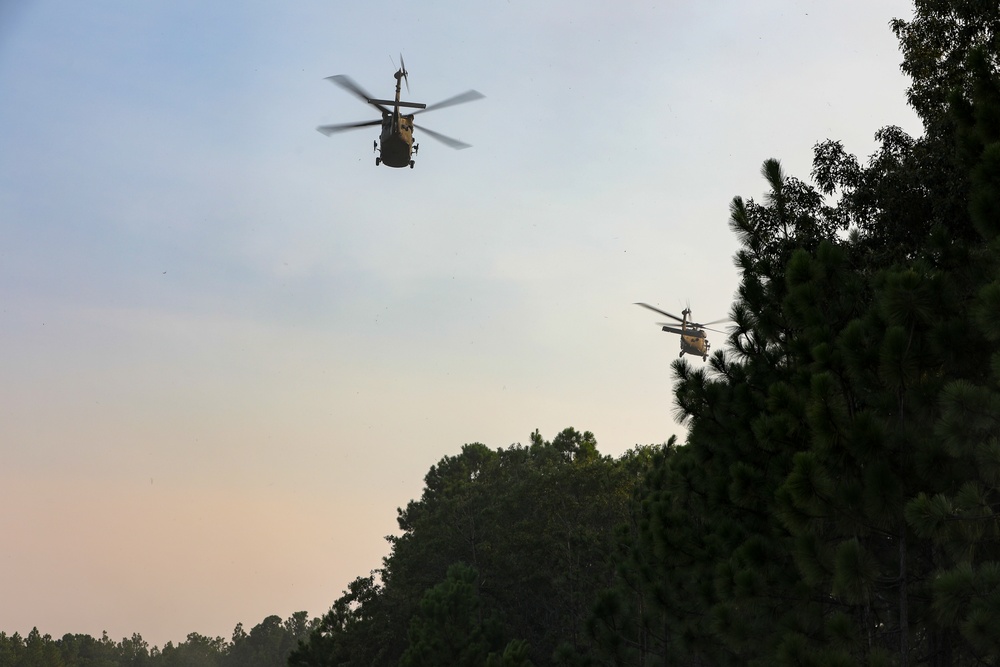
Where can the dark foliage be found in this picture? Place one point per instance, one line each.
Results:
(506, 547)
(835, 502)
(268, 644)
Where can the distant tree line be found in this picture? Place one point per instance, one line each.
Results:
(268, 644)
(835, 501)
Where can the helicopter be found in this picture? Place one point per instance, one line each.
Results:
(693, 338)
(395, 144)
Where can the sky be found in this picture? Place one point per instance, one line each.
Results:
(231, 347)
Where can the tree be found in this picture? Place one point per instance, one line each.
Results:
(937, 44)
(268, 643)
(40, 651)
(960, 521)
(536, 523)
(449, 627)
(350, 631)
(196, 651)
(133, 651)
(85, 651)
(11, 648)
(834, 501)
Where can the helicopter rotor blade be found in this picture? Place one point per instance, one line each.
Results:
(699, 325)
(331, 129)
(461, 98)
(444, 139)
(690, 333)
(704, 325)
(348, 84)
(402, 70)
(657, 310)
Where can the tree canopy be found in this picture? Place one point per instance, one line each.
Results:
(835, 500)
(268, 644)
(501, 556)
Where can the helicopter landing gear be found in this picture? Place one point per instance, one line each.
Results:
(412, 163)
(705, 358)
(378, 161)
(681, 354)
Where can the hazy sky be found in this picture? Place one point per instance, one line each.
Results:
(231, 347)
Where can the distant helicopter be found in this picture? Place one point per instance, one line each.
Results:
(693, 337)
(395, 144)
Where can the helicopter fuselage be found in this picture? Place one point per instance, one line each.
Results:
(693, 341)
(396, 140)
(697, 345)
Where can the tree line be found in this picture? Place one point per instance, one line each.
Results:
(267, 644)
(499, 560)
(835, 499)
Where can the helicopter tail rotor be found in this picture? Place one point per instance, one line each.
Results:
(401, 72)
(404, 73)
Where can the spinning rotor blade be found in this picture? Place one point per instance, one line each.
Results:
(461, 98)
(402, 70)
(699, 325)
(657, 310)
(690, 333)
(446, 140)
(350, 86)
(330, 129)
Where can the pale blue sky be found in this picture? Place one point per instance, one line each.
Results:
(230, 346)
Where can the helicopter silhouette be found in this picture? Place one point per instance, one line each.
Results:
(693, 338)
(395, 144)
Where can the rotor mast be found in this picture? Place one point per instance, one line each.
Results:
(401, 75)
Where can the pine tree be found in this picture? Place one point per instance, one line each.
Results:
(835, 500)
